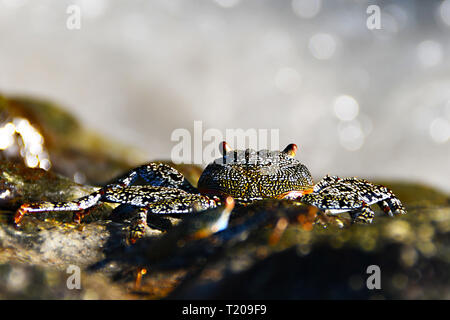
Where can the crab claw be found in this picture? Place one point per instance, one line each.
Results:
(229, 204)
(291, 150)
(137, 284)
(213, 221)
(224, 147)
(222, 222)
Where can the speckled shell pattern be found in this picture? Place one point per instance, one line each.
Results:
(335, 195)
(160, 200)
(249, 175)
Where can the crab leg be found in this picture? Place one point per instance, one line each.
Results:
(76, 205)
(334, 204)
(202, 226)
(394, 205)
(386, 208)
(365, 214)
(155, 174)
(139, 225)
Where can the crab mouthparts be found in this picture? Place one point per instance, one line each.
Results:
(290, 195)
(294, 194)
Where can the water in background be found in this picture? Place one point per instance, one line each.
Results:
(372, 103)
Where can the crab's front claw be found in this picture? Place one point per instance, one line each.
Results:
(136, 233)
(222, 220)
(211, 222)
(139, 226)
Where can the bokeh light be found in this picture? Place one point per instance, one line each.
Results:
(138, 70)
(444, 12)
(306, 8)
(440, 130)
(287, 80)
(322, 46)
(346, 107)
(20, 134)
(429, 53)
(351, 135)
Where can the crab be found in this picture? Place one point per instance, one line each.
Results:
(245, 175)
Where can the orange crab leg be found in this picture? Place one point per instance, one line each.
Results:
(278, 231)
(81, 204)
(140, 274)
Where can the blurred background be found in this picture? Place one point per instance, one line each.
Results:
(371, 103)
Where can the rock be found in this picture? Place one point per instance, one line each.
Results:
(315, 257)
(18, 281)
(19, 184)
(44, 238)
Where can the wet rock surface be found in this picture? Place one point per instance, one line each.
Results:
(271, 250)
(310, 256)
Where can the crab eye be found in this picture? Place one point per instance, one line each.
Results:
(291, 150)
(224, 147)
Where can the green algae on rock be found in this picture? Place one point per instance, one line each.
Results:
(41, 134)
(19, 184)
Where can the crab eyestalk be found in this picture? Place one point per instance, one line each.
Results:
(224, 147)
(291, 150)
